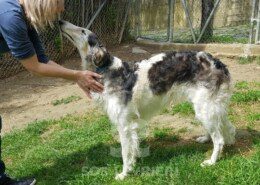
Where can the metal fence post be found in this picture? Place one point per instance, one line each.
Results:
(170, 20)
(257, 36)
(251, 35)
(188, 19)
(138, 18)
(61, 38)
(96, 14)
(83, 12)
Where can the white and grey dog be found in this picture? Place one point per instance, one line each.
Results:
(137, 91)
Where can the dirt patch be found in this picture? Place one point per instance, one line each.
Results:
(25, 98)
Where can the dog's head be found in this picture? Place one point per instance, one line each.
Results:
(87, 43)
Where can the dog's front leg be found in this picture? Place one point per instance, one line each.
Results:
(126, 149)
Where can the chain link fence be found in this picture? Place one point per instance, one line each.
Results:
(156, 20)
(182, 22)
(108, 24)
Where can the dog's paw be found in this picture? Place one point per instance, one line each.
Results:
(120, 176)
(203, 139)
(207, 163)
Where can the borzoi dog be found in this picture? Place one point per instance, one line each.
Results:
(137, 91)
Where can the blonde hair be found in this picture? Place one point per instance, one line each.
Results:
(42, 12)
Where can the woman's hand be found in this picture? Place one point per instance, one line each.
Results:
(87, 82)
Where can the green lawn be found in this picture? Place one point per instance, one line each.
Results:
(75, 150)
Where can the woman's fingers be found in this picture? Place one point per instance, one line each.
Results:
(95, 75)
(88, 82)
(85, 89)
(96, 86)
(99, 85)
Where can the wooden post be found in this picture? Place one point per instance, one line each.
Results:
(208, 21)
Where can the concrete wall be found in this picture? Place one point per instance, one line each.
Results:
(154, 13)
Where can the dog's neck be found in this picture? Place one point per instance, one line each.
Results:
(109, 63)
(115, 63)
(105, 63)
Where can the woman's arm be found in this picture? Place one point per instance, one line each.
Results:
(85, 79)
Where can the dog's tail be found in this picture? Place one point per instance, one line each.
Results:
(213, 72)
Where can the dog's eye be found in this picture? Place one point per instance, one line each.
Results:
(83, 31)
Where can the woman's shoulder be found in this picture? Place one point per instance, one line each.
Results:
(11, 18)
(7, 6)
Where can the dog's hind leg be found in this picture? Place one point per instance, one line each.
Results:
(211, 111)
(229, 132)
(210, 122)
(218, 143)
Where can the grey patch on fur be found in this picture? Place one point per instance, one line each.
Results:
(122, 81)
(186, 67)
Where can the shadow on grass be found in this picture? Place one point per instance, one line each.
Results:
(97, 159)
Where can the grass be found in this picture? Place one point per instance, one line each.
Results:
(245, 106)
(227, 39)
(246, 60)
(249, 96)
(183, 109)
(183, 130)
(246, 92)
(66, 100)
(164, 134)
(249, 60)
(76, 150)
(242, 85)
(253, 117)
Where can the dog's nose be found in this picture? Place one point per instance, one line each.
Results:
(61, 22)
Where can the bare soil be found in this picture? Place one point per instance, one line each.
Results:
(25, 98)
